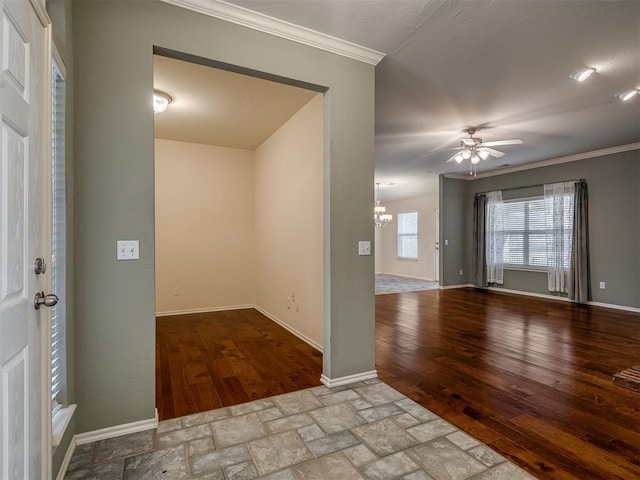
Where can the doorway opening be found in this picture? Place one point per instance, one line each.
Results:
(408, 248)
(239, 181)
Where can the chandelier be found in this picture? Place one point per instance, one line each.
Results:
(380, 218)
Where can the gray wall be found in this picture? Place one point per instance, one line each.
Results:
(454, 230)
(614, 222)
(114, 305)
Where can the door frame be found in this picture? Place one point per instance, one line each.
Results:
(45, 340)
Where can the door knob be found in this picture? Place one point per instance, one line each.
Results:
(46, 300)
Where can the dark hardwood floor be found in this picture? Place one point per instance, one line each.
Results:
(530, 377)
(211, 360)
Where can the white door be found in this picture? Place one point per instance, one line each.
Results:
(24, 236)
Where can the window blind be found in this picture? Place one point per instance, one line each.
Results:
(528, 227)
(59, 244)
(408, 235)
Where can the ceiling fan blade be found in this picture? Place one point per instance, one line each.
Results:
(452, 158)
(515, 141)
(444, 150)
(492, 152)
(440, 151)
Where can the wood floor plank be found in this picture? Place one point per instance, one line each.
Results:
(529, 377)
(212, 360)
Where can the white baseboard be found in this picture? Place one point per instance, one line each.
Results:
(462, 285)
(615, 307)
(408, 276)
(202, 310)
(358, 377)
(66, 460)
(562, 299)
(298, 334)
(116, 431)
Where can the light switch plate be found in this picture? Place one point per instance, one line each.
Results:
(364, 248)
(128, 250)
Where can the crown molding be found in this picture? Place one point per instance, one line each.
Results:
(553, 161)
(274, 26)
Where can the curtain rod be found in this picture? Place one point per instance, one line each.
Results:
(530, 186)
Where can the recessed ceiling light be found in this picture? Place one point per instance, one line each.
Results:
(582, 74)
(161, 101)
(627, 94)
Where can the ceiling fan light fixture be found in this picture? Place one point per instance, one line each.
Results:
(161, 101)
(475, 159)
(627, 94)
(483, 154)
(458, 158)
(582, 74)
(466, 154)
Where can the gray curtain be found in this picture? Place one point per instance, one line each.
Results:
(579, 277)
(479, 240)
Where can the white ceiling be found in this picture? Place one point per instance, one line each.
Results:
(218, 107)
(502, 66)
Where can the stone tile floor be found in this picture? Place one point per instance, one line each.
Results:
(394, 284)
(365, 430)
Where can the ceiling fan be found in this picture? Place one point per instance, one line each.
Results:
(474, 149)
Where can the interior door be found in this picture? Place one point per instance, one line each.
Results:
(24, 236)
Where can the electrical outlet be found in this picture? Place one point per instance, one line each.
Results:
(602, 286)
(176, 291)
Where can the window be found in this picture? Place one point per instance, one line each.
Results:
(59, 244)
(528, 227)
(408, 235)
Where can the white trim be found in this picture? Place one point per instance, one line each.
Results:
(563, 299)
(203, 310)
(553, 161)
(62, 472)
(279, 28)
(60, 423)
(615, 307)
(527, 268)
(462, 285)
(116, 431)
(358, 377)
(407, 276)
(41, 12)
(57, 59)
(298, 334)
